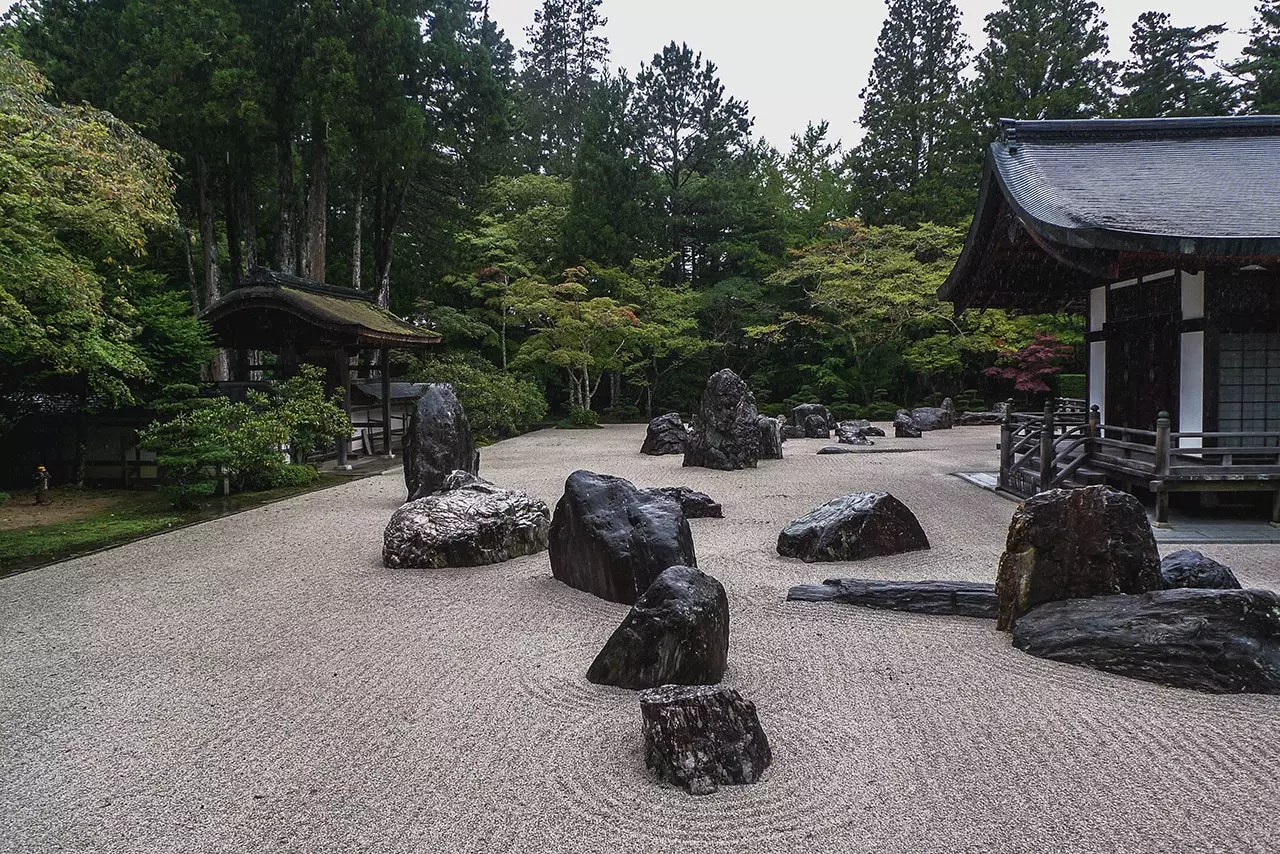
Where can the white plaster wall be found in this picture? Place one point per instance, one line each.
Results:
(1192, 295)
(1097, 308)
(1191, 387)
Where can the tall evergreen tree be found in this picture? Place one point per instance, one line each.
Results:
(1165, 73)
(816, 181)
(912, 115)
(1260, 64)
(1044, 59)
(565, 57)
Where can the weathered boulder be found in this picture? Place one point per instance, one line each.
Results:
(458, 479)
(949, 406)
(702, 737)
(467, 525)
(853, 424)
(612, 540)
(963, 598)
(1220, 641)
(816, 427)
(696, 505)
(1189, 568)
(770, 438)
(980, 419)
(851, 429)
(726, 435)
(872, 430)
(1075, 543)
(853, 527)
(904, 427)
(676, 634)
(666, 435)
(791, 431)
(801, 414)
(836, 449)
(438, 442)
(853, 439)
(931, 418)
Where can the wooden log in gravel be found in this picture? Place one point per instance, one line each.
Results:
(703, 736)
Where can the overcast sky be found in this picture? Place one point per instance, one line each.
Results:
(797, 61)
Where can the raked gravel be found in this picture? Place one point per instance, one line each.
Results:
(261, 683)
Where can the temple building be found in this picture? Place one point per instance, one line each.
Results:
(1165, 235)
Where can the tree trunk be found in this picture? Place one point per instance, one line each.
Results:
(248, 219)
(192, 288)
(390, 210)
(208, 232)
(357, 229)
(232, 205)
(313, 257)
(286, 252)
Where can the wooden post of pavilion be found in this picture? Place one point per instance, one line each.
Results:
(344, 388)
(384, 357)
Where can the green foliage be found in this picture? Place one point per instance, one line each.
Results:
(1072, 385)
(4, 496)
(580, 419)
(311, 420)
(1165, 73)
(498, 404)
(1259, 65)
(294, 475)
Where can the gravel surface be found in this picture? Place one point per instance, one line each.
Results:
(262, 683)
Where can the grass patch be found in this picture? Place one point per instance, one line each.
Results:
(33, 546)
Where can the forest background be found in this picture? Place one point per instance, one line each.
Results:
(586, 239)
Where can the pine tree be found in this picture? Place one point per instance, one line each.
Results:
(565, 58)
(1044, 59)
(1165, 73)
(911, 114)
(1260, 64)
(816, 181)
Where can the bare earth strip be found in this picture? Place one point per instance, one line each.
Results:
(261, 683)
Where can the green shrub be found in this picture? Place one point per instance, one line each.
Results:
(580, 418)
(623, 414)
(882, 410)
(846, 411)
(498, 403)
(294, 474)
(1072, 385)
(773, 410)
(4, 496)
(969, 400)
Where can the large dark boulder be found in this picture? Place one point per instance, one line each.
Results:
(702, 737)
(611, 539)
(471, 524)
(980, 419)
(770, 438)
(905, 427)
(438, 442)
(802, 413)
(726, 434)
(1075, 543)
(816, 427)
(853, 527)
(963, 598)
(666, 435)
(791, 431)
(1221, 641)
(676, 634)
(696, 505)
(932, 418)
(1189, 568)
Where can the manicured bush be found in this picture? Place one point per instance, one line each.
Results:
(883, 410)
(1072, 385)
(580, 419)
(623, 414)
(498, 403)
(294, 474)
(4, 496)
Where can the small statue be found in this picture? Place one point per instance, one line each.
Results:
(42, 486)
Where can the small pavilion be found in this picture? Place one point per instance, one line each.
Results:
(272, 322)
(1165, 235)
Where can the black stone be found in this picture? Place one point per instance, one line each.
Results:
(904, 427)
(1220, 641)
(802, 413)
(676, 634)
(696, 505)
(855, 439)
(1189, 568)
(770, 438)
(980, 419)
(726, 435)
(932, 418)
(853, 527)
(836, 449)
(872, 430)
(790, 431)
(467, 525)
(439, 441)
(666, 435)
(1075, 543)
(702, 737)
(816, 427)
(611, 539)
(963, 598)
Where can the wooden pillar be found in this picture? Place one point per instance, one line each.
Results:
(384, 358)
(1046, 447)
(1006, 445)
(344, 389)
(1163, 428)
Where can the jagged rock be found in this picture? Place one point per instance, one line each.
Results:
(702, 737)
(783, 424)
(852, 527)
(790, 431)
(612, 540)
(801, 414)
(468, 525)
(836, 449)
(963, 598)
(853, 424)
(458, 479)
(770, 438)
(666, 435)
(696, 505)
(727, 432)
(929, 418)
(872, 430)
(676, 634)
(1189, 568)
(980, 419)
(1220, 641)
(949, 407)
(853, 439)
(438, 442)
(1075, 543)
(904, 427)
(816, 427)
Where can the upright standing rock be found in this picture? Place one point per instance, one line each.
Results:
(804, 411)
(703, 736)
(770, 438)
(816, 427)
(666, 435)
(726, 434)
(904, 427)
(676, 634)
(611, 539)
(1074, 543)
(439, 442)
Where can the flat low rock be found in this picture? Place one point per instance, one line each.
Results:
(612, 540)
(666, 435)
(702, 737)
(855, 439)
(471, 525)
(696, 505)
(979, 419)
(853, 527)
(960, 598)
(677, 633)
(1219, 641)
(1190, 568)
(932, 418)
(838, 449)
